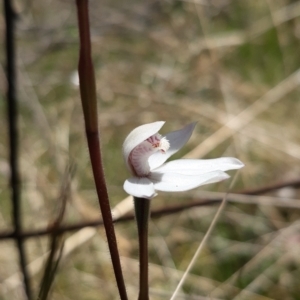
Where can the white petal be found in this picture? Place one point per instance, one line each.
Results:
(138, 135)
(172, 182)
(177, 139)
(200, 166)
(139, 187)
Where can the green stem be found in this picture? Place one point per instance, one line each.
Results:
(142, 214)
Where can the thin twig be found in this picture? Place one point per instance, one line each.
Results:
(12, 112)
(159, 212)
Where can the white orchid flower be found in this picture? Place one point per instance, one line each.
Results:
(145, 152)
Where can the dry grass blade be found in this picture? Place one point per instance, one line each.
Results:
(257, 28)
(249, 199)
(258, 259)
(265, 280)
(71, 244)
(34, 267)
(246, 116)
(206, 236)
(56, 243)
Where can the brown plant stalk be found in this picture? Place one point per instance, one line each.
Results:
(13, 134)
(89, 105)
(142, 214)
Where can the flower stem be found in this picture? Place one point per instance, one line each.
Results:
(142, 213)
(89, 105)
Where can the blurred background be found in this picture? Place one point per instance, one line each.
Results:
(216, 62)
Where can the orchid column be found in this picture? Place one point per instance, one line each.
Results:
(145, 152)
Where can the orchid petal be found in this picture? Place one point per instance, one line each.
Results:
(177, 140)
(138, 135)
(200, 166)
(139, 187)
(173, 182)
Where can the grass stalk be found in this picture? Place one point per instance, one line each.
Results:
(204, 240)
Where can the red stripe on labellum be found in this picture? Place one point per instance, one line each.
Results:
(138, 158)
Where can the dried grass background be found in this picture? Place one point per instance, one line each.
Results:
(231, 65)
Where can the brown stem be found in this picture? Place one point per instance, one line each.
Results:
(12, 112)
(94, 149)
(142, 213)
(89, 105)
